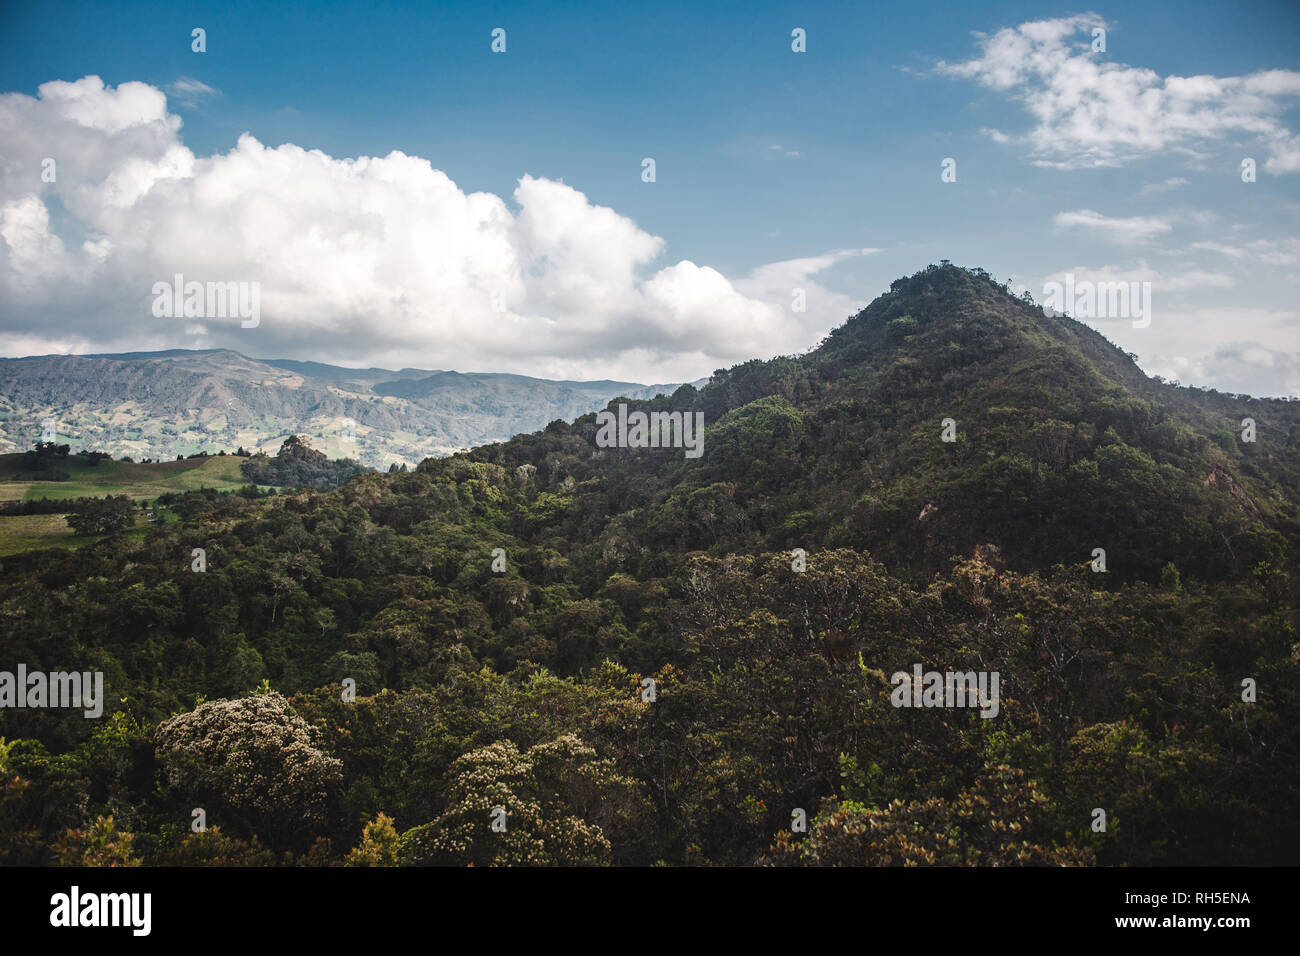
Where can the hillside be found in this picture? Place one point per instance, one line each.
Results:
(161, 404)
(648, 671)
(137, 481)
(1062, 445)
(134, 479)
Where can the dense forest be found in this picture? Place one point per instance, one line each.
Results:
(547, 652)
(299, 465)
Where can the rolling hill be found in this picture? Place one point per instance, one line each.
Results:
(161, 404)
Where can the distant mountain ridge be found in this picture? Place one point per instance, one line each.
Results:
(179, 401)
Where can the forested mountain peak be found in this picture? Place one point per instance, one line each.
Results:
(946, 317)
(949, 414)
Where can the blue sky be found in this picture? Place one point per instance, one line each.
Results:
(764, 157)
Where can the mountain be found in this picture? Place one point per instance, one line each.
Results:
(1062, 445)
(647, 657)
(160, 404)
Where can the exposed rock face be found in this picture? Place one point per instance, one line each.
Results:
(1223, 481)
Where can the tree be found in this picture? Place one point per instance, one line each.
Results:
(212, 847)
(379, 844)
(101, 844)
(254, 759)
(102, 515)
(993, 823)
(530, 808)
(19, 837)
(38, 464)
(297, 464)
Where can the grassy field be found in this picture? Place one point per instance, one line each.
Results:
(30, 532)
(21, 533)
(136, 481)
(13, 490)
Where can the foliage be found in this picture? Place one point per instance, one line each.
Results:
(251, 758)
(299, 465)
(102, 515)
(992, 824)
(653, 678)
(100, 844)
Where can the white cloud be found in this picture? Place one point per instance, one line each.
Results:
(1245, 366)
(25, 229)
(189, 92)
(1272, 252)
(1089, 111)
(1132, 229)
(1164, 186)
(1196, 342)
(776, 282)
(1161, 282)
(379, 260)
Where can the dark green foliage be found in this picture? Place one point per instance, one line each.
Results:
(530, 687)
(298, 465)
(43, 506)
(41, 463)
(102, 515)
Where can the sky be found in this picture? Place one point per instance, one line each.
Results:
(400, 194)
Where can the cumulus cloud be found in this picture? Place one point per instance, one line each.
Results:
(1246, 366)
(777, 281)
(1091, 112)
(1251, 367)
(381, 260)
(1195, 342)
